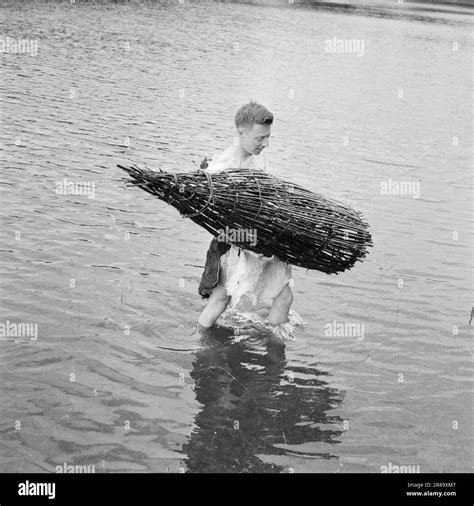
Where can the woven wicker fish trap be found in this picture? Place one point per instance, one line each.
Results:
(296, 225)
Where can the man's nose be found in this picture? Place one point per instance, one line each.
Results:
(265, 142)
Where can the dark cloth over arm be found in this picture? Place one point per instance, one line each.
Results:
(210, 276)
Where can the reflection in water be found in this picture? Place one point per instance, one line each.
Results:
(250, 403)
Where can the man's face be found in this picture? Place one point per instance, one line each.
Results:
(254, 140)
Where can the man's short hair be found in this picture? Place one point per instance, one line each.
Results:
(253, 114)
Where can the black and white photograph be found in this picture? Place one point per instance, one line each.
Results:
(236, 243)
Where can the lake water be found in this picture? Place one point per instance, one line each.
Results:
(117, 378)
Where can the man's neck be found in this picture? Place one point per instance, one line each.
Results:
(240, 153)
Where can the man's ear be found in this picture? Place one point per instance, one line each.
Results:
(242, 130)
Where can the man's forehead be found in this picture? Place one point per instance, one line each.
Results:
(260, 129)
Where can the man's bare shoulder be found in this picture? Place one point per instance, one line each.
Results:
(222, 161)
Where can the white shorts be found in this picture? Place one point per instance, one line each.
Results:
(244, 272)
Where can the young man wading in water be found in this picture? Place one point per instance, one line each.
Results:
(231, 271)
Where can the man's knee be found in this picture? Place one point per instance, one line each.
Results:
(219, 295)
(285, 297)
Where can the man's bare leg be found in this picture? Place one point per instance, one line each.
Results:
(281, 307)
(217, 304)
